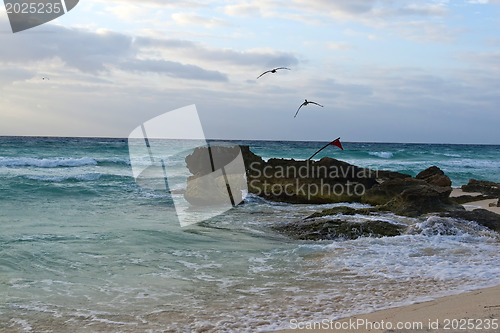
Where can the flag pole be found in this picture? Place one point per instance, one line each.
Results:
(322, 148)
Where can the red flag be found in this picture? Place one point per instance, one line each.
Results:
(337, 143)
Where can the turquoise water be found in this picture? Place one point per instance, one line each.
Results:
(84, 248)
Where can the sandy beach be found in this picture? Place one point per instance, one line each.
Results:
(479, 309)
(476, 311)
(485, 204)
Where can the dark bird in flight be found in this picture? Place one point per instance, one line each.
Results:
(274, 70)
(45, 78)
(304, 104)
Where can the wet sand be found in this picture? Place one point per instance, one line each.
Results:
(476, 311)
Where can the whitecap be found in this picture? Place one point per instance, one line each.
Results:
(46, 162)
(381, 154)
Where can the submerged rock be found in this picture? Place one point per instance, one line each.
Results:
(330, 229)
(480, 216)
(344, 210)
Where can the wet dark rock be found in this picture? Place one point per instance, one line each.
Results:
(326, 229)
(482, 186)
(199, 162)
(216, 180)
(419, 200)
(463, 199)
(480, 216)
(434, 176)
(325, 181)
(344, 210)
(410, 197)
(286, 180)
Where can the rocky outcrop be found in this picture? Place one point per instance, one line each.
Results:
(328, 180)
(316, 182)
(482, 186)
(199, 162)
(325, 181)
(466, 198)
(329, 229)
(218, 177)
(480, 216)
(428, 192)
(434, 176)
(285, 180)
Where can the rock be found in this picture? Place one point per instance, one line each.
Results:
(209, 184)
(419, 200)
(210, 190)
(434, 176)
(344, 210)
(498, 203)
(482, 186)
(471, 198)
(322, 229)
(199, 162)
(384, 192)
(410, 197)
(480, 216)
(325, 181)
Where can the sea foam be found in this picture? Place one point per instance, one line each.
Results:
(381, 154)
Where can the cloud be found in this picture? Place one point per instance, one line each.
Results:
(422, 31)
(95, 52)
(84, 50)
(243, 10)
(173, 69)
(129, 12)
(11, 75)
(339, 46)
(186, 19)
(175, 4)
(227, 56)
(489, 61)
(412, 10)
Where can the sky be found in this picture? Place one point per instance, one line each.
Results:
(385, 71)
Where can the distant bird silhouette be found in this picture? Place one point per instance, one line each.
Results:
(45, 78)
(304, 104)
(274, 70)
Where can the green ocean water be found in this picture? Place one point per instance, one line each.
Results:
(83, 248)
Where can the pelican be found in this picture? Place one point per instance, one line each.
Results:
(304, 104)
(274, 70)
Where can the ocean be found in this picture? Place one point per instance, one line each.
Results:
(83, 248)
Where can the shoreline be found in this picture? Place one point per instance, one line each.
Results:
(478, 309)
(484, 204)
(440, 315)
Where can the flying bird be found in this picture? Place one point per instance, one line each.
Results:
(274, 70)
(45, 78)
(304, 104)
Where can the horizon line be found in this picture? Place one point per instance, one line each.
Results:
(256, 140)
